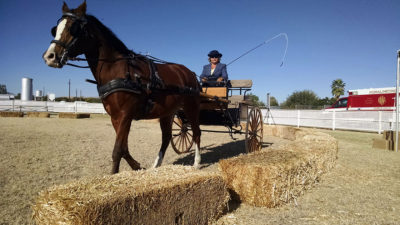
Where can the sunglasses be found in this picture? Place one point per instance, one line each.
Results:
(215, 57)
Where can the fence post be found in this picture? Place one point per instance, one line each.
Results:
(379, 122)
(298, 118)
(76, 107)
(333, 120)
(269, 117)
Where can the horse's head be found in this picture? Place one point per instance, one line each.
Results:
(69, 36)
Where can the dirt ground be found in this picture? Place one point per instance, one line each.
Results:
(35, 153)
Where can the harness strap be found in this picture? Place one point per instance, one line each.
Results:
(155, 80)
(119, 84)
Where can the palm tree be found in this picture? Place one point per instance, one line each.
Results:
(337, 87)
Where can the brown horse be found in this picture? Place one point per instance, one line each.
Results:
(131, 86)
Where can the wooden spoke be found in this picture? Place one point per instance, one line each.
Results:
(182, 136)
(254, 130)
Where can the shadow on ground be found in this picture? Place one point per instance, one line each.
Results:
(212, 154)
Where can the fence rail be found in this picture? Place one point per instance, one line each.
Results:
(38, 106)
(375, 121)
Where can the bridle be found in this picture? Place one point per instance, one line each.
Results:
(78, 25)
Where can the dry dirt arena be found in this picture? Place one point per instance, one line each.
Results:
(35, 153)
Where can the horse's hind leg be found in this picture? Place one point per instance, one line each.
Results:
(166, 129)
(192, 111)
(196, 139)
(122, 127)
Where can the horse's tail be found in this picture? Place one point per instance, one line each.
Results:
(197, 82)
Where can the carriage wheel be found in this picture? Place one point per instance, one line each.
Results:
(254, 130)
(182, 136)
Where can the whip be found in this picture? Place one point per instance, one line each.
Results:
(263, 43)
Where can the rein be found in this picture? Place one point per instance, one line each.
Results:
(154, 59)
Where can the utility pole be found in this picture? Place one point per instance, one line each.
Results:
(69, 89)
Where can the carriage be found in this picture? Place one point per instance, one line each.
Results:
(227, 106)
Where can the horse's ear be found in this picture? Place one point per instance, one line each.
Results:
(65, 8)
(81, 10)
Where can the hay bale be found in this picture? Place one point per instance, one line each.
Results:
(11, 114)
(38, 114)
(387, 135)
(166, 195)
(272, 177)
(74, 115)
(285, 132)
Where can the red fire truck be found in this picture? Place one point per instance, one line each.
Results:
(367, 99)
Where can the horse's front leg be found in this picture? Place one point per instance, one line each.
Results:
(122, 127)
(166, 129)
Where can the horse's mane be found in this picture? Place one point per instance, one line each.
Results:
(110, 36)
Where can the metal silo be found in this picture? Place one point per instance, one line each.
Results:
(26, 91)
(38, 93)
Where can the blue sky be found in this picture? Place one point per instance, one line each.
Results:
(356, 41)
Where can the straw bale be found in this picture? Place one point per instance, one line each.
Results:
(11, 114)
(387, 135)
(74, 115)
(275, 176)
(285, 132)
(166, 195)
(38, 114)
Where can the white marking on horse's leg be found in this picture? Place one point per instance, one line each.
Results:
(158, 160)
(197, 157)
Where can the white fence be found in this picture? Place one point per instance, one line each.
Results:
(376, 121)
(38, 106)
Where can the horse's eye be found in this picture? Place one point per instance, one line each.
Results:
(54, 31)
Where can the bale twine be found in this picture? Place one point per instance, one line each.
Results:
(38, 114)
(275, 176)
(166, 195)
(11, 114)
(74, 115)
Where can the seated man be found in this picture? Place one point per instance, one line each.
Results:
(214, 74)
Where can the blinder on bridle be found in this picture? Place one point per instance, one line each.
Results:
(76, 31)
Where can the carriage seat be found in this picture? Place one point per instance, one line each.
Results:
(240, 87)
(244, 84)
(221, 92)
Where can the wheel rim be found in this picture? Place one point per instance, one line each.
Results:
(254, 131)
(182, 136)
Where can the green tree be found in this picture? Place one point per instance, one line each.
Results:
(273, 101)
(301, 99)
(3, 89)
(337, 87)
(255, 100)
(326, 101)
